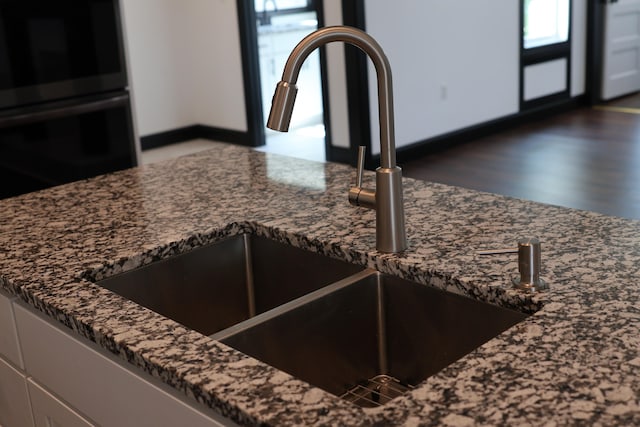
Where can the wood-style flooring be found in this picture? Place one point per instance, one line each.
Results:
(587, 158)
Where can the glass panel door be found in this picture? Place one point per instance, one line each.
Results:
(545, 72)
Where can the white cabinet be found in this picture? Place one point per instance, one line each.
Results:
(51, 378)
(15, 409)
(9, 347)
(49, 411)
(99, 385)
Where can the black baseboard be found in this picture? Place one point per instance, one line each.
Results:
(468, 135)
(348, 155)
(340, 155)
(194, 132)
(169, 137)
(462, 136)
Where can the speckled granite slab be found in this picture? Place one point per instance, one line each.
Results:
(576, 360)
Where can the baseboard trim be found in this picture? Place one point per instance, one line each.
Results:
(340, 155)
(348, 155)
(467, 135)
(187, 133)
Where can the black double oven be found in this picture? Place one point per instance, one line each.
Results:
(65, 112)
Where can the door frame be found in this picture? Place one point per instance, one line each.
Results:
(251, 72)
(595, 44)
(603, 15)
(247, 19)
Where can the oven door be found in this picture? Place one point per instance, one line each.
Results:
(52, 50)
(61, 142)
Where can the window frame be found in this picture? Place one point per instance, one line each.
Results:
(540, 54)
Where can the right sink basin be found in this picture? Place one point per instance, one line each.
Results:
(371, 339)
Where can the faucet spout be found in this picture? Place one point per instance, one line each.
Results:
(387, 199)
(286, 90)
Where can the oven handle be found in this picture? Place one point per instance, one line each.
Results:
(59, 112)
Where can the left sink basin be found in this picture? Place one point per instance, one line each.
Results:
(218, 285)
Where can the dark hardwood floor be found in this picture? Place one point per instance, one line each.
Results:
(587, 158)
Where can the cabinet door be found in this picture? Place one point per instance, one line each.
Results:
(15, 409)
(8, 337)
(620, 65)
(48, 411)
(99, 385)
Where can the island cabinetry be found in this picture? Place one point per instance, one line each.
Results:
(15, 407)
(23, 402)
(49, 377)
(49, 411)
(96, 384)
(9, 347)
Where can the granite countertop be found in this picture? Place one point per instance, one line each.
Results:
(575, 360)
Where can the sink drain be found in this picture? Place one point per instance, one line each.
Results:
(375, 392)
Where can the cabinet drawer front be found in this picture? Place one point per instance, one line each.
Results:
(15, 408)
(9, 347)
(97, 385)
(48, 411)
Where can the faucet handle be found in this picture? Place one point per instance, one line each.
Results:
(360, 166)
(359, 196)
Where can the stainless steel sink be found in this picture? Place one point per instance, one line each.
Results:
(216, 286)
(371, 339)
(359, 334)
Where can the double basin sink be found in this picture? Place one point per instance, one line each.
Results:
(356, 333)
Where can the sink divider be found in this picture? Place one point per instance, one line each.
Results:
(382, 331)
(248, 267)
(291, 305)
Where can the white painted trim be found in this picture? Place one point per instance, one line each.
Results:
(545, 78)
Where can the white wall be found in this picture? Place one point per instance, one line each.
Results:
(455, 63)
(185, 64)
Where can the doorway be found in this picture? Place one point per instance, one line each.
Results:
(621, 49)
(545, 53)
(614, 46)
(274, 27)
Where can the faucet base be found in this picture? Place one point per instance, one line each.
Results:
(390, 231)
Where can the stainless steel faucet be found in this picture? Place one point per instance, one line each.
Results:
(386, 199)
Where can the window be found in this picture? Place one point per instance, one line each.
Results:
(545, 53)
(546, 22)
(275, 5)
